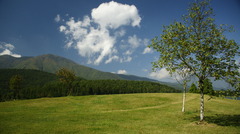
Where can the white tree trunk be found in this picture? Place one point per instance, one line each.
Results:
(202, 107)
(183, 105)
(201, 88)
(184, 95)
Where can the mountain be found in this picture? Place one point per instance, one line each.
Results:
(52, 63)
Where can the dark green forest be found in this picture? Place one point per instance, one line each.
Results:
(30, 84)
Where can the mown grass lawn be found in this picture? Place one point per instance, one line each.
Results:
(126, 113)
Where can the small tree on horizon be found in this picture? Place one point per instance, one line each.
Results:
(15, 84)
(193, 88)
(67, 77)
(199, 45)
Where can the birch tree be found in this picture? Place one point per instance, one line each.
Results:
(198, 44)
(183, 77)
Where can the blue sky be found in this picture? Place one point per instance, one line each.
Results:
(110, 36)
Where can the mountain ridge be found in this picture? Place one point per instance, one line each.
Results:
(52, 63)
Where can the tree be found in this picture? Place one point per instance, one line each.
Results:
(15, 84)
(193, 89)
(183, 77)
(199, 45)
(67, 77)
(208, 88)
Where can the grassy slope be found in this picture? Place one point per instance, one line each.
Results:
(129, 113)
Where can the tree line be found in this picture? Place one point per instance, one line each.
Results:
(208, 89)
(16, 84)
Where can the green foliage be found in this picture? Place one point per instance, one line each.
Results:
(67, 77)
(31, 83)
(193, 89)
(15, 84)
(197, 44)
(227, 93)
(208, 88)
(97, 87)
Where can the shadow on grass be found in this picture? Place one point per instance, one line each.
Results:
(221, 120)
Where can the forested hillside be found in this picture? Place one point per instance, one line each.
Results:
(28, 84)
(30, 77)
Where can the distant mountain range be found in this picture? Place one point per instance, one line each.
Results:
(52, 63)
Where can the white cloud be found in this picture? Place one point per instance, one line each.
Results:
(128, 52)
(9, 46)
(91, 36)
(147, 50)
(121, 72)
(120, 33)
(98, 42)
(163, 75)
(62, 28)
(89, 41)
(7, 49)
(113, 15)
(57, 18)
(160, 74)
(111, 59)
(8, 52)
(126, 59)
(134, 41)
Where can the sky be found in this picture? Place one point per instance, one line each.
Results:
(111, 36)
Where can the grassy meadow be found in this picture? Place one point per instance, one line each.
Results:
(126, 113)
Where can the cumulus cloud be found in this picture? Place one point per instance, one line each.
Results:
(7, 49)
(121, 72)
(92, 36)
(113, 15)
(160, 74)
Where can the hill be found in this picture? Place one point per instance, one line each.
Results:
(129, 113)
(52, 63)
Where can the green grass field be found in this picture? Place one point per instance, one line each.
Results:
(128, 113)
